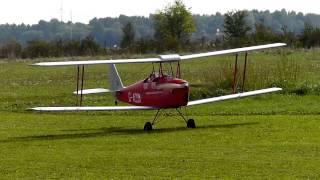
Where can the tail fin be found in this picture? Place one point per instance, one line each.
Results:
(115, 82)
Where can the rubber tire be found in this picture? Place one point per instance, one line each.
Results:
(191, 124)
(147, 126)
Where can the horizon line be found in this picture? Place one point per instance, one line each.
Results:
(148, 16)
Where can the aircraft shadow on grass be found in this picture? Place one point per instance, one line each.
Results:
(100, 132)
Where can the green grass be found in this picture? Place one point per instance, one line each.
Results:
(100, 146)
(267, 137)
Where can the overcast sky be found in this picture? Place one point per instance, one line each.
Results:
(31, 11)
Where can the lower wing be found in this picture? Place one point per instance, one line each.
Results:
(93, 108)
(233, 96)
(191, 103)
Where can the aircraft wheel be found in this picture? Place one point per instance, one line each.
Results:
(191, 123)
(147, 126)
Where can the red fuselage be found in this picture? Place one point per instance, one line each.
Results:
(156, 91)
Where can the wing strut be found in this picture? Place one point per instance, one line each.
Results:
(236, 72)
(78, 74)
(244, 71)
(79, 103)
(178, 75)
(81, 95)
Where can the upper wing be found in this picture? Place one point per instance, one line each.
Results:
(93, 62)
(92, 108)
(233, 96)
(232, 51)
(161, 58)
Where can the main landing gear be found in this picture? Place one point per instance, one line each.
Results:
(148, 126)
(191, 123)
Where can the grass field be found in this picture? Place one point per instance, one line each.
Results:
(273, 136)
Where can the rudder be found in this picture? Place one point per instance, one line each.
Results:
(115, 83)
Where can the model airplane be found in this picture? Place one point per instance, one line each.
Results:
(159, 91)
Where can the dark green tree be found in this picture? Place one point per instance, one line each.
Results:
(173, 26)
(128, 36)
(305, 37)
(263, 34)
(89, 47)
(11, 50)
(310, 36)
(38, 48)
(236, 28)
(288, 36)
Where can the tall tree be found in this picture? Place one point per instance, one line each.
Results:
(173, 26)
(236, 27)
(89, 47)
(128, 35)
(310, 36)
(12, 49)
(263, 34)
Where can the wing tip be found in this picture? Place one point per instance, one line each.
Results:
(277, 89)
(33, 109)
(281, 44)
(36, 64)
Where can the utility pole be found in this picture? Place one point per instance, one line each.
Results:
(71, 30)
(61, 11)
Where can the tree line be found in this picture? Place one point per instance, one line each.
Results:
(171, 29)
(58, 48)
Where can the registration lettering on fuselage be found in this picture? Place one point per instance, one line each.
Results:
(134, 97)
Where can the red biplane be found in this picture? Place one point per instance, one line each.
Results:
(159, 91)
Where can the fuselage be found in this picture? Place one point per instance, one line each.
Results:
(157, 91)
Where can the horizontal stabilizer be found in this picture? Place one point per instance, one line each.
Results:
(93, 91)
(233, 96)
(92, 108)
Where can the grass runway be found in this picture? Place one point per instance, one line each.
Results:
(110, 146)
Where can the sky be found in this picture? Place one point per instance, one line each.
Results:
(31, 11)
